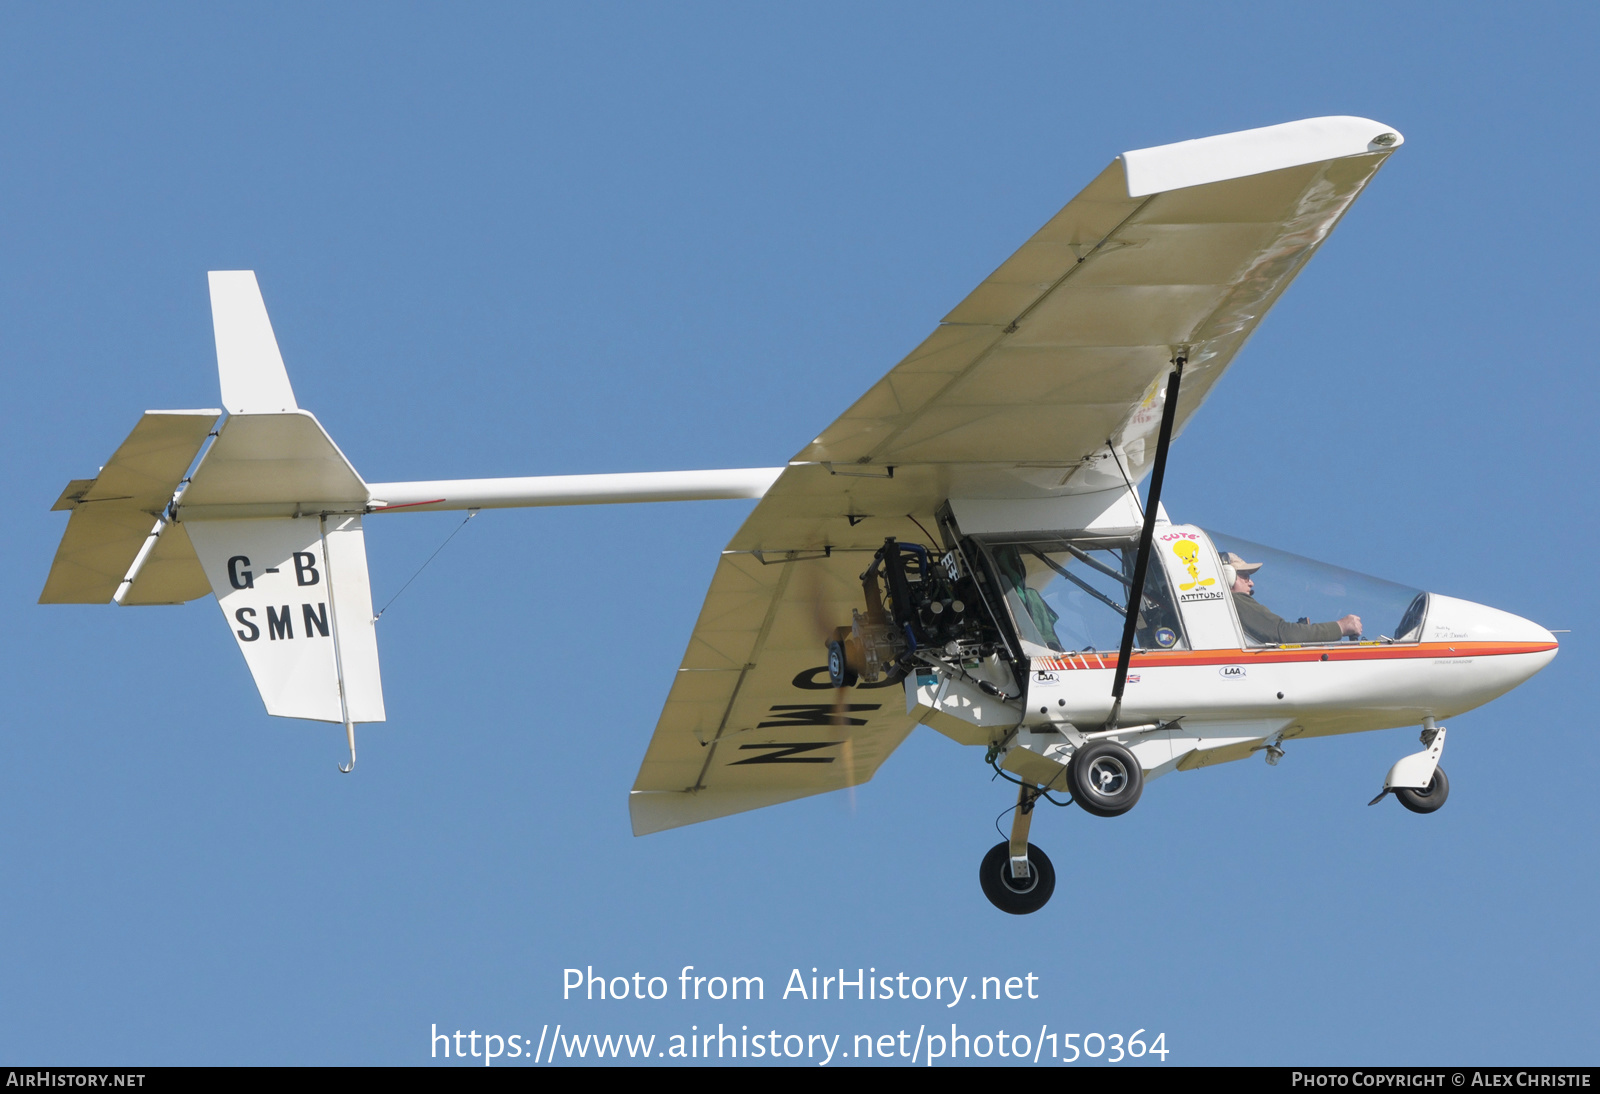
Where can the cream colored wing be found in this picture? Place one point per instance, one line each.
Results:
(751, 719)
(1060, 350)
(1044, 384)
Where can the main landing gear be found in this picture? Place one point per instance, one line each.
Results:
(1016, 876)
(1017, 895)
(1105, 781)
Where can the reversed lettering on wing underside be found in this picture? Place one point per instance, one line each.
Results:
(787, 754)
(787, 715)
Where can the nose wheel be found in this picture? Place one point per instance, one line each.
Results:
(1427, 799)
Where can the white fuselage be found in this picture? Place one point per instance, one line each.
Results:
(1224, 698)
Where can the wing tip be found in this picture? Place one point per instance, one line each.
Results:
(652, 811)
(1253, 152)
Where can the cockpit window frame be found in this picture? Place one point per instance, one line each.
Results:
(1157, 586)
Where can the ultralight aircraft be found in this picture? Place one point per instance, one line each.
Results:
(965, 548)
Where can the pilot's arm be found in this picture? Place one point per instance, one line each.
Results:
(1261, 624)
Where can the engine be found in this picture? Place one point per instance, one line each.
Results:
(920, 602)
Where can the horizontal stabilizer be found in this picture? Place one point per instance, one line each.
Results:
(249, 365)
(296, 596)
(169, 574)
(286, 460)
(115, 513)
(98, 547)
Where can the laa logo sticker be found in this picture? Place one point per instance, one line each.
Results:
(1231, 672)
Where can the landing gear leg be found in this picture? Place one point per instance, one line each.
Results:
(1021, 821)
(1016, 876)
(1417, 780)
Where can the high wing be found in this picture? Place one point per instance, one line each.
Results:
(1044, 383)
(1058, 353)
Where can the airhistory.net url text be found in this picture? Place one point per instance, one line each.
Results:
(901, 1046)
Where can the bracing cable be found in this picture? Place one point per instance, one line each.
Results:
(470, 514)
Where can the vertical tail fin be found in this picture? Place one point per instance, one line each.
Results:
(270, 520)
(249, 365)
(273, 511)
(296, 596)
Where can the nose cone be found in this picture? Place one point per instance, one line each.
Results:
(1485, 652)
(1452, 620)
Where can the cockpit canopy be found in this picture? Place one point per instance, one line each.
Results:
(1069, 593)
(1308, 592)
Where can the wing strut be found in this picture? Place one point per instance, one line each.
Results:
(1169, 411)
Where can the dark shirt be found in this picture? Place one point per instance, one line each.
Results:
(1262, 626)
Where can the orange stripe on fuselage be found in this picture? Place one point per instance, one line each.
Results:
(1376, 651)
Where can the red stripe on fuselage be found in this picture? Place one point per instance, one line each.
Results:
(1154, 659)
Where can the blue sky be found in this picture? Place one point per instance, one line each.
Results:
(507, 240)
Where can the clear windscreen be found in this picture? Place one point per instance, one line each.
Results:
(1304, 593)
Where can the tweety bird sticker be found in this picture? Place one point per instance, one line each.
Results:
(1190, 554)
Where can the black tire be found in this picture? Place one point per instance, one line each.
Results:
(1003, 890)
(839, 674)
(1428, 799)
(1105, 779)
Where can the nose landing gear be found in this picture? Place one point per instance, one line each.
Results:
(1417, 780)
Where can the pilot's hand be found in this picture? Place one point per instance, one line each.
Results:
(1350, 625)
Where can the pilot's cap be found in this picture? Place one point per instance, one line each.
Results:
(1239, 565)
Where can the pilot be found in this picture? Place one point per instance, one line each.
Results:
(1259, 621)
